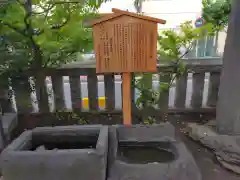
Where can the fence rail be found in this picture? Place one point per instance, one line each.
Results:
(198, 69)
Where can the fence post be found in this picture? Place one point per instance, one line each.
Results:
(92, 89)
(41, 92)
(5, 96)
(164, 94)
(214, 82)
(76, 97)
(181, 88)
(109, 85)
(2, 134)
(197, 89)
(57, 85)
(22, 91)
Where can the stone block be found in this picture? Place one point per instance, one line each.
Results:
(150, 152)
(57, 153)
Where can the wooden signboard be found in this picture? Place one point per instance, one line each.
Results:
(125, 42)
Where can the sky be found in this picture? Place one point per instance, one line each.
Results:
(120, 4)
(174, 12)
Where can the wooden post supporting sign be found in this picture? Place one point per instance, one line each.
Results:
(125, 42)
(127, 99)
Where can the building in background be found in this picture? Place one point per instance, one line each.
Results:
(174, 12)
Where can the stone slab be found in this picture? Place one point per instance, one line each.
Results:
(9, 121)
(225, 147)
(182, 168)
(20, 163)
(145, 132)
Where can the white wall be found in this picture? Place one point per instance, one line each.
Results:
(174, 12)
(120, 4)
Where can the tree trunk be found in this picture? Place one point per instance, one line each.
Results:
(41, 91)
(40, 86)
(228, 106)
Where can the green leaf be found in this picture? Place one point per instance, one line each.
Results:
(55, 26)
(216, 12)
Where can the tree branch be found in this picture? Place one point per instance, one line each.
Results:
(58, 26)
(28, 8)
(62, 54)
(45, 11)
(19, 2)
(15, 28)
(187, 51)
(66, 2)
(50, 7)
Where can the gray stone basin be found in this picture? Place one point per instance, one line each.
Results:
(149, 152)
(57, 153)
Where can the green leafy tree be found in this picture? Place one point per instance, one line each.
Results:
(138, 5)
(37, 34)
(216, 12)
(173, 47)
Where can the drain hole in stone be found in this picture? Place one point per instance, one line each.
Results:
(60, 142)
(143, 153)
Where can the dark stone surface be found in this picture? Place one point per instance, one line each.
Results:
(10, 122)
(227, 112)
(205, 159)
(182, 167)
(226, 148)
(21, 161)
(145, 132)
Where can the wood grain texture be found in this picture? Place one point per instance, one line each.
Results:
(127, 100)
(125, 44)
